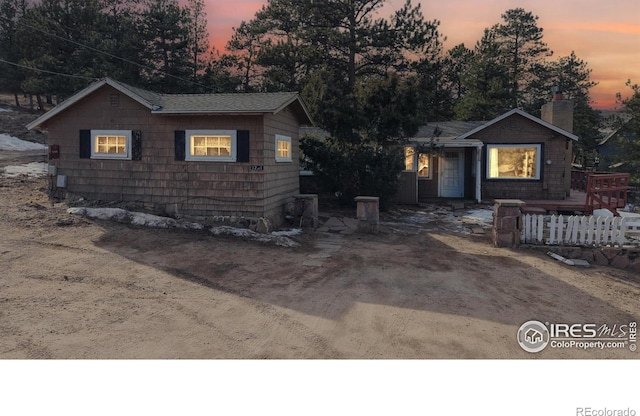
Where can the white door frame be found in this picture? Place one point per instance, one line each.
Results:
(461, 157)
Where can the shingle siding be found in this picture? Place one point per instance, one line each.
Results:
(204, 189)
(516, 130)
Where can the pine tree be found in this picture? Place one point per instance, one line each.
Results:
(166, 38)
(457, 63)
(11, 13)
(245, 46)
(521, 46)
(62, 37)
(198, 40)
(486, 82)
(122, 40)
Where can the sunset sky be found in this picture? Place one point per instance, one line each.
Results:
(605, 34)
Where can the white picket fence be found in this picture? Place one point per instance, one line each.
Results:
(578, 230)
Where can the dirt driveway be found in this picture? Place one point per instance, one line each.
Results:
(78, 288)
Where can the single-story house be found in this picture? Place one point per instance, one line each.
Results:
(515, 155)
(611, 148)
(213, 156)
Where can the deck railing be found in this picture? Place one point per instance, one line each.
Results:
(604, 190)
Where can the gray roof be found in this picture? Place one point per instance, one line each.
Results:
(448, 128)
(611, 131)
(464, 130)
(225, 103)
(235, 103)
(521, 114)
(150, 98)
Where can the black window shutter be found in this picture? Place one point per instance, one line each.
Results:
(242, 139)
(136, 145)
(85, 144)
(179, 144)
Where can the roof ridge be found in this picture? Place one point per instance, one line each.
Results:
(227, 93)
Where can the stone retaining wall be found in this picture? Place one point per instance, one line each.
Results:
(618, 257)
(507, 230)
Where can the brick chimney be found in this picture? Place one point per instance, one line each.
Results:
(559, 112)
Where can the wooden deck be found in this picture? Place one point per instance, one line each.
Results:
(577, 201)
(589, 191)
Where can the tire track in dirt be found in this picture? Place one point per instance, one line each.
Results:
(233, 347)
(315, 343)
(317, 346)
(14, 343)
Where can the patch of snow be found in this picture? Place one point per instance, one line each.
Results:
(420, 218)
(135, 218)
(6, 110)
(603, 212)
(438, 219)
(30, 169)
(479, 216)
(154, 221)
(252, 235)
(628, 214)
(13, 143)
(288, 233)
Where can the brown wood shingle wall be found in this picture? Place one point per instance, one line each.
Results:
(517, 130)
(161, 183)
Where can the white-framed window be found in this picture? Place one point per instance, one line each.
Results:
(283, 148)
(417, 162)
(514, 161)
(211, 145)
(111, 144)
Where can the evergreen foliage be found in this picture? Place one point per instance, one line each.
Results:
(370, 81)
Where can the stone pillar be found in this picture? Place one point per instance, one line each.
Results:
(368, 212)
(306, 206)
(506, 222)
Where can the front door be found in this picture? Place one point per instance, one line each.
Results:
(451, 174)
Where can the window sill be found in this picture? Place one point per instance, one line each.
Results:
(99, 157)
(209, 159)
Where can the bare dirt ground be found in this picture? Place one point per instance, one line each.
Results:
(77, 288)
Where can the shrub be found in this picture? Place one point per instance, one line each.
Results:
(352, 169)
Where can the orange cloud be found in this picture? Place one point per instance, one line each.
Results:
(620, 28)
(605, 36)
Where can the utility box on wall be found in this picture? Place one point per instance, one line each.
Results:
(61, 181)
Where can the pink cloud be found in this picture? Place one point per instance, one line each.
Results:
(223, 17)
(605, 36)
